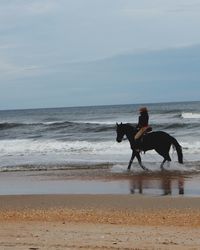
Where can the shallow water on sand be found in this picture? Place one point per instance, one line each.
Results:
(100, 181)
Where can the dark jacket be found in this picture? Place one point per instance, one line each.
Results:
(143, 120)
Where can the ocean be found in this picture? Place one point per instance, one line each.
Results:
(84, 137)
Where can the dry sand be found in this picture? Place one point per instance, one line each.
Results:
(99, 222)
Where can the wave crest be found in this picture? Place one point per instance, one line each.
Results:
(190, 115)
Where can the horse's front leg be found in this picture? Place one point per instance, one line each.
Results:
(137, 154)
(131, 160)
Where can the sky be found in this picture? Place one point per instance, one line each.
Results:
(59, 53)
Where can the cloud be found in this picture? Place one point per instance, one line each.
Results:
(40, 7)
(22, 7)
(192, 6)
(156, 8)
(142, 12)
(18, 12)
(36, 33)
(5, 46)
(9, 70)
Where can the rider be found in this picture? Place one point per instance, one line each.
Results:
(143, 125)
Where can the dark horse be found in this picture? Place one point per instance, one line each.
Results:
(159, 141)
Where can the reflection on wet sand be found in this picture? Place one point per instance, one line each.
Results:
(164, 184)
(100, 181)
(106, 181)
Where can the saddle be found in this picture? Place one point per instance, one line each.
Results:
(149, 129)
(139, 142)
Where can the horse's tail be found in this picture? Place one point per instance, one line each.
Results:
(178, 149)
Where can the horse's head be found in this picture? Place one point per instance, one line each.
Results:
(125, 129)
(120, 132)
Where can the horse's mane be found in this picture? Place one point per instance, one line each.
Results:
(129, 128)
(129, 125)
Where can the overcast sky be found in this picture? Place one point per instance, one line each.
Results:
(42, 40)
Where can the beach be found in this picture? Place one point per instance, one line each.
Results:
(64, 182)
(42, 220)
(99, 222)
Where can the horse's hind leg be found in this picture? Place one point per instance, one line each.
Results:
(162, 164)
(166, 157)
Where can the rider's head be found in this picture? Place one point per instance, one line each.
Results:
(143, 109)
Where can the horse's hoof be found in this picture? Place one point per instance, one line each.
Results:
(143, 167)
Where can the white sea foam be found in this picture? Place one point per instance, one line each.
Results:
(30, 146)
(190, 115)
(97, 122)
(26, 146)
(110, 121)
(53, 122)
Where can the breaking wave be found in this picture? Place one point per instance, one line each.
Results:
(190, 115)
(88, 134)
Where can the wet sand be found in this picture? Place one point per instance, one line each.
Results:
(39, 216)
(100, 181)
